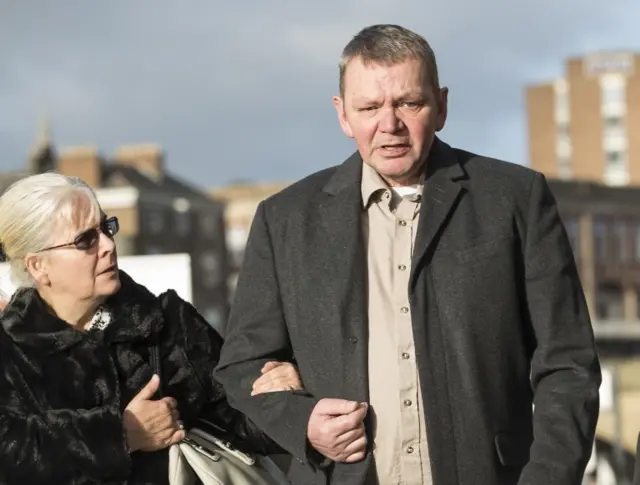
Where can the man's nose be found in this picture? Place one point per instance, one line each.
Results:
(390, 122)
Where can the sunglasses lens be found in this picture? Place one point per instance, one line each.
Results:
(87, 239)
(110, 226)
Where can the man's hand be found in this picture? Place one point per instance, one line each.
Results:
(149, 424)
(277, 376)
(336, 430)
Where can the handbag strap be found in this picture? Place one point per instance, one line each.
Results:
(154, 362)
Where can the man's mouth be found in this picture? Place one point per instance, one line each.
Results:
(394, 149)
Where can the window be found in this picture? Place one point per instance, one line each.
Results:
(615, 159)
(600, 236)
(154, 220)
(561, 104)
(183, 223)
(615, 169)
(613, 122)
(613, 94)
(609, 303)
(637, 243)
(208, 224)
(211, 271)
(621, 232)
(573, 232)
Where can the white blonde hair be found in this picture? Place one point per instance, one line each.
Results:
(32, 210)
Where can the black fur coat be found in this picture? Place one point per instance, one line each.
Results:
(62, 391)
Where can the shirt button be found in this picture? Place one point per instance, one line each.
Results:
(402, 223)
(404, 309)
(409, 449)
(402, 267)
(353, 340)
(407, 402)
(405, 356)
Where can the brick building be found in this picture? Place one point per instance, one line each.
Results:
(580, 126)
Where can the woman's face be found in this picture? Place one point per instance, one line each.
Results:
(89, 274)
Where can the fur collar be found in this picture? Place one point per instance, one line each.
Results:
(135, 311)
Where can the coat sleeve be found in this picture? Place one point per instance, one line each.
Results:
(565, 371)
(61, 446)
(202, 344)
(256, 333)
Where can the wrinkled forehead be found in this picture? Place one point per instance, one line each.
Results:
(403, 77)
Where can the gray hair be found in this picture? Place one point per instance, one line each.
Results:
(32, 209)
(389, 44)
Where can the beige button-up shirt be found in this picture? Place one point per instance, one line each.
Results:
(400, 444)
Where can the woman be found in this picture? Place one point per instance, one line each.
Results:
(76, 388)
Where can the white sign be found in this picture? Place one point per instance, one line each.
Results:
(158, 272)
(607, 390)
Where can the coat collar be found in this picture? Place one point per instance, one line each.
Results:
(136, 315)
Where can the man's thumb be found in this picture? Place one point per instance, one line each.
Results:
(148, 391)
(336, 407)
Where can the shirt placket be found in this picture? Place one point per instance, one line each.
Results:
(406, 220)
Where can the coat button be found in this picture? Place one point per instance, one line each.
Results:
(409, 449)
(405, 356)
(407, 402)
(353, 340)
(402, 223)
(404, 309)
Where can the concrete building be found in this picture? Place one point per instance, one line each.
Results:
(158, 213)
(580, 126)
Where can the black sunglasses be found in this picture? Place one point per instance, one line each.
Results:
(89, 238)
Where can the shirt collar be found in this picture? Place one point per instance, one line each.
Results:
(371, 184)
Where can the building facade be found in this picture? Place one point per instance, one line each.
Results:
(241, 202)
(580, 126)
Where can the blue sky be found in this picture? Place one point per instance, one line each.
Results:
(242, 90)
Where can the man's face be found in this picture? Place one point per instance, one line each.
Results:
(392, 112)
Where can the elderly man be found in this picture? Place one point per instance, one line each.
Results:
(428, 295)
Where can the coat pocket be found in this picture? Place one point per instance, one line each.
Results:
(512, 449)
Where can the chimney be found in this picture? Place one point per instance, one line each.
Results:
(83, 162)
(148, 159)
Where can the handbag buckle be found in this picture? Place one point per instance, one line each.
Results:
(201, 449)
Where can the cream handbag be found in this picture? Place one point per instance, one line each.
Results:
(202, 458)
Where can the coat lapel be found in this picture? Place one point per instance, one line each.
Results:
(440, 194)
(340, 210)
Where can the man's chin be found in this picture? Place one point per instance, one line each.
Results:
(398, 172)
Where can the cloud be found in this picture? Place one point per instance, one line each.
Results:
(242, 89)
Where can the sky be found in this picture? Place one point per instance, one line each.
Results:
(242, 90)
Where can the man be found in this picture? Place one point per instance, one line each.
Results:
(435, 285)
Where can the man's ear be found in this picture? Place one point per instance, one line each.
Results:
(338, 103)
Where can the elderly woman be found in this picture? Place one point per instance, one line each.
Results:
(77, 390)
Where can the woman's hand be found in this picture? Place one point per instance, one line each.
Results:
(152, 425)
(277, 376)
